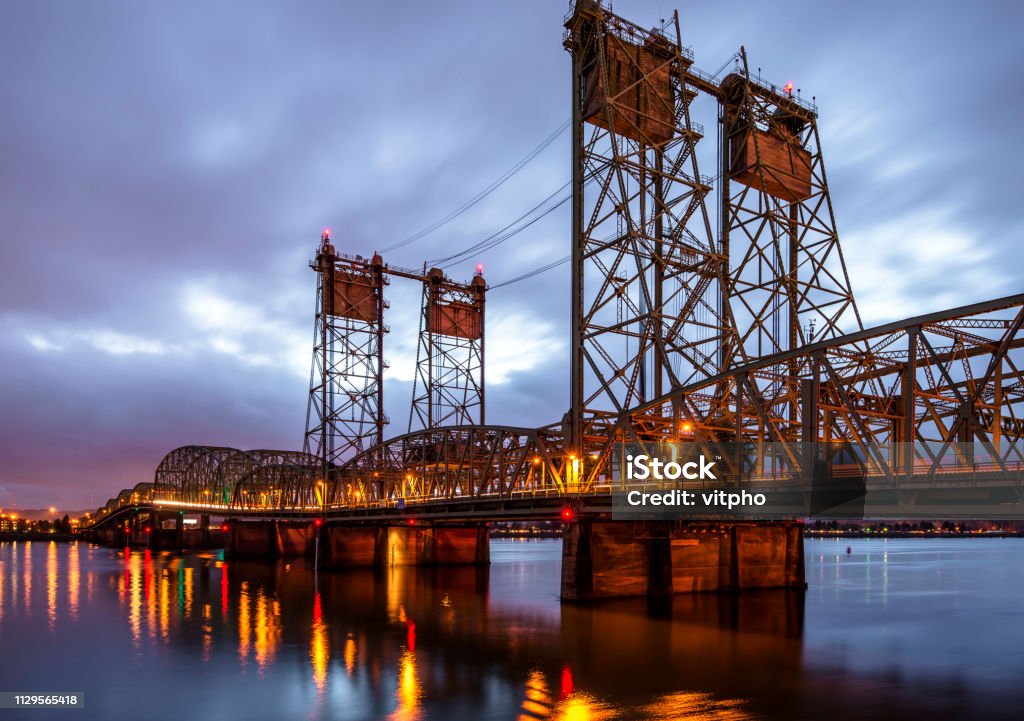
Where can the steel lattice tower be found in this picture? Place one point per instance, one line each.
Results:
(788, 283)
(345, 412)
(448, 389)
(648, 278)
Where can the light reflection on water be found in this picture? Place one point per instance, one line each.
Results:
(893, 629)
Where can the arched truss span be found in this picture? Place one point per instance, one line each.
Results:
(453, 463)
(210, 475)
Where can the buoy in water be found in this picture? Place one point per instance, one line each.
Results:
(848, 550)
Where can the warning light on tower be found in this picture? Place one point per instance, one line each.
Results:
(327, 231)
(479, 268)
(788, 88)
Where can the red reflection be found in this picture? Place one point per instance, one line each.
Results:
(224, 590)
(410, 636)
(567, 685)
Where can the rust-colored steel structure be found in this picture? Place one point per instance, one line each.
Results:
(448, 389)
(746, 335)
(345, 412)
(647, 274)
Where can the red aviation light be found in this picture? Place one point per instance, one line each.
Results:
(479, 268)
(568, 514)
(327, 231)
(788, 88)
(225, 527)
(318, 522)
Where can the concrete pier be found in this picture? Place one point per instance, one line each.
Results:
(610, 559)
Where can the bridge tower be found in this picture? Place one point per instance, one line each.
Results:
(345, 411)
(648, 277)
(448, 388)
(788, 283)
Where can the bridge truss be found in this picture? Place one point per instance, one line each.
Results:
(678, 334)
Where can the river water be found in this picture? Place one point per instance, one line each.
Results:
(897, 628)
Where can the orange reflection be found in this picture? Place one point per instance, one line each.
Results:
(696, 706)
(51, 585)
(319, 647)
(149, 593)
(74, 580)
(244, 623)
(163, 602)
(132, 571)
(2, 573)
(207, 633)
(267, 630)
(409, 691)
(350, 655)
(188, 591)
(538, 702)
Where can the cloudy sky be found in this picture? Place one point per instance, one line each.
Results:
(167, 169)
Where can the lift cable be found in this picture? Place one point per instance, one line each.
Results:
(530, 274)
(483, 193)
(516, 226)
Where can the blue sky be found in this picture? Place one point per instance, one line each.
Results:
(168, 168)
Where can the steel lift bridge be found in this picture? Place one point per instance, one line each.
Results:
(748, 334)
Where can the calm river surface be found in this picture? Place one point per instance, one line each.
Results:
(898, 628)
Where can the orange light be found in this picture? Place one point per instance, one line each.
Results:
(327, 231)
(788, 88)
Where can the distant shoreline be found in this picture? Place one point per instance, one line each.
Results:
(35, 536)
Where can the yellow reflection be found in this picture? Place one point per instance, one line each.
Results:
(51, 585)
(134, 598)
(696, 707)
(74, 580)
(163, 604)
(582, 706)
(244, 623)
(188, 591)
(28, 578)
(537, 703)
(394, 592)
(14, 576)
(267, 631)
(2, 573)
(149, 592)
(319, 647)
(207, 633)
(409, 691)
(350, 655)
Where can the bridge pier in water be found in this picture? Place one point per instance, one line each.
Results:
(270, 539)
(609, 559)
(369, 545)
